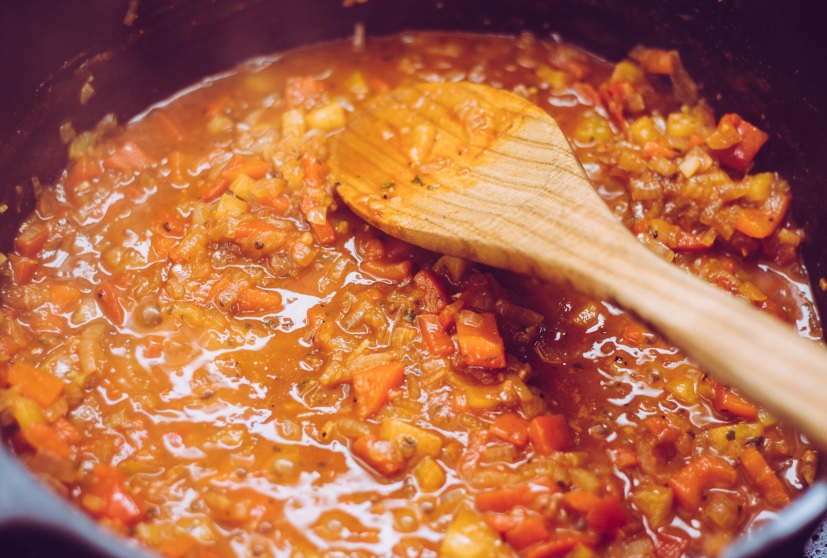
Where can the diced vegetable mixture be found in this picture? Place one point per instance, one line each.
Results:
(204, 350)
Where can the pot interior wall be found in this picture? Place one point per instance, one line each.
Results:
(755, 58)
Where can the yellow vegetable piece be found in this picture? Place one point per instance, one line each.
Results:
(644, 129)
(730, 440)
(429, 475)
(655, 502)
(426, 443)
(683, 389)
(327, 118)
(592, 128)
(468, 536)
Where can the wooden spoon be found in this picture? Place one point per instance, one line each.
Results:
(480, 173)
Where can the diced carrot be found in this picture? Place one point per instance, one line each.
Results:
(434, 299)
(281, 202)
(438, 341)
(653, 148)
(214, 189)
(22, 269)
(109, 303)
(549, 433)
(315, 171)
(479, 340)
(690, 482)
(44, 438)
(83, 169)
(257, 300)
(324, 232)
(531, 530)
(511, 427)
(503, 522)
(119, 503)
(763, 477)
(35, 384)
(731, 402)
(372, 386)
(581, 502)
(740, 156)
(32, 239)
(448, 315)
(608, 515)
(502, 499)
(239, 164)
(393, 271)
(128, 157)
(381, 455)
(559, 545)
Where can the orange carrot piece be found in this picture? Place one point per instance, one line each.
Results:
(511, 427)
(393, 271)
(438, 341)
(502, 499)
(763, 477)
(239, 164)
(44, 438)
(315, 171)
(109, 303)
(214, 189)
(32, 239)
(531, 530)
(608, 515)
(733, 403)
(372, 386)
(581, 502)
(128, 157)
(35, 384)
(120, 505)
(549, 433)
(689, 483)
(381, 455)
(652, 148)
(22, 269)
(479, 340)
(559, 546)
(257, 300)
(83, 169)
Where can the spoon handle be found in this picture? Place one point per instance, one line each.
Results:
(740, 345)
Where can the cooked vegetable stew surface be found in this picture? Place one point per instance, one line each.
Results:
(204, 350)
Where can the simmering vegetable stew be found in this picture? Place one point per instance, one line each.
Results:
(205, 351)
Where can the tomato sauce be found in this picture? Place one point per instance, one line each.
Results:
(206, 351)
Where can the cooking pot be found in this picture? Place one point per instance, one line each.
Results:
(759, 58)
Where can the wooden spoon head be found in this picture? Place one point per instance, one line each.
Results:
(441, 165)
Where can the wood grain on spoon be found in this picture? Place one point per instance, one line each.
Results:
(479, 173)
